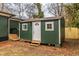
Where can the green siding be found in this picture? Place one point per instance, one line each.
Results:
(3, 26)
(14, 24)
(26, 35)
(51, 37)
(62, 29)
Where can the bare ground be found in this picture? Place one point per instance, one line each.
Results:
(17, 48)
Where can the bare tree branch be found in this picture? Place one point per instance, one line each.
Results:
(20, 8)
(55, 9)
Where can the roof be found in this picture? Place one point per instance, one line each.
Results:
(6, 14)
(16, 19)
(41, 19)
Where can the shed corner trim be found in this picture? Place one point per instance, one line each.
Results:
(59, 31)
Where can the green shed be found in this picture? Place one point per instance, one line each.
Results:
(45, 30)
(4, 30)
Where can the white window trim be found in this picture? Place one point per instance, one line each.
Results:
(46, 29)
(24, 24)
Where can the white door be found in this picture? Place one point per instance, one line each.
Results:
(36, 31)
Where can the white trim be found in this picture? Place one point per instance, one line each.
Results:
(40, 31)
(46, 29)
(19, 30)
(59, 31)
(23, 24)
(9, 26)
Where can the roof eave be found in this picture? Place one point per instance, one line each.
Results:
(6, 14)
(41, 19)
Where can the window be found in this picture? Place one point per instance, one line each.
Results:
(49, 26)
(24, 26)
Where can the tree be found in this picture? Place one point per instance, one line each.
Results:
(55, 9)
(21, 9)
(40, 13)
(15, 8)
(30, 10)
(2, 7)
(72, 13)
(10, 7)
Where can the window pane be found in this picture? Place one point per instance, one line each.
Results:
(49, 26)
(24, 26)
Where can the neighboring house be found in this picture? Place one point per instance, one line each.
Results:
(44, 30)
(4, 29)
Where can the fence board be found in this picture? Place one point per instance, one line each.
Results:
(71, 33)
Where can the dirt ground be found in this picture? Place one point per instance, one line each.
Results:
(18, 48)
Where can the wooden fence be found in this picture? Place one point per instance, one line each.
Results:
(71, 33)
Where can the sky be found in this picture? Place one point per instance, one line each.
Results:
(46, 13)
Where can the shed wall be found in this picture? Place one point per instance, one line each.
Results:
(51, 37)
(26, 35)
(3, 28)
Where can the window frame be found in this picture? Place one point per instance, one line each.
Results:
(23, 26)
(46, 27)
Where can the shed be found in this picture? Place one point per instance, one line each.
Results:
(4, 30)
(48, 30)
